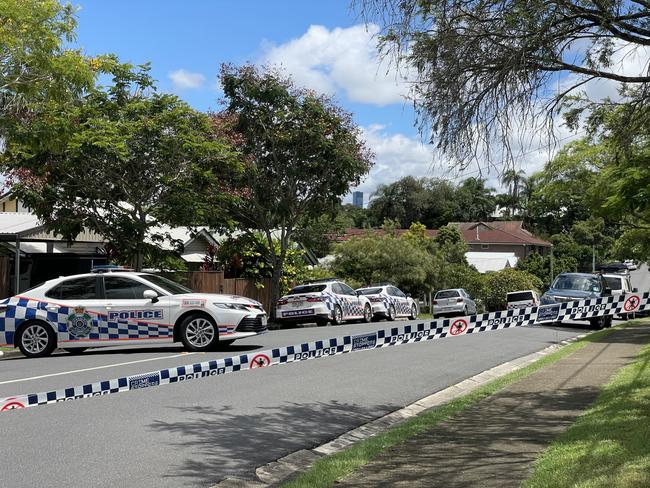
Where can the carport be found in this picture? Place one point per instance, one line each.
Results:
(22, 235)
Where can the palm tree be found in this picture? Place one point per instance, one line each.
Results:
(514, 180)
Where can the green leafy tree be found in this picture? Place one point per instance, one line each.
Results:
(474, 201)
(126, 161)
(246, 256)
(35, 63)
(404, 201)
(350, 216)
(452, 245)
(387, 258)
(302, 154)
(502, 56)
(624, 130)
(540, 266)
(564, 189)
(497, 284)
(514, 180)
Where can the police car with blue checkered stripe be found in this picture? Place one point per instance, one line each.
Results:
(389, 302)
(117, 307)
(323, 301)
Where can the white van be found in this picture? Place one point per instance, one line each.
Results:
(522, 299)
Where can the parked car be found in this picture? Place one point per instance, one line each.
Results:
(390, 302)
(522, 299)
(117, 308)
(323, 301)
(568, 287)
(631, 265)
(453, 302)
(620, 285)
(618, 268)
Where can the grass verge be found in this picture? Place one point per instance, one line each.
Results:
(609, 445)
(326, 471)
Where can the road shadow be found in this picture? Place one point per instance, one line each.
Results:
(229, 444)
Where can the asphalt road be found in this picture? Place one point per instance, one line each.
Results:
(196, 433)
(199, 432)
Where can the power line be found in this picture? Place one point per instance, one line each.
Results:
(465, 174)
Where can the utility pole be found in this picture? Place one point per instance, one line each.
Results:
(593, 258)
(552, 275)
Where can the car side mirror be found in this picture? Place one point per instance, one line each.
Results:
(150, 295)
(635, 290)
(607, 292)
(545, 288)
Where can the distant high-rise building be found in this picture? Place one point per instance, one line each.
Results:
(357, 199)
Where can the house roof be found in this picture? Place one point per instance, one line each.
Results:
(499, 232)
(17, 223)
(504, 232)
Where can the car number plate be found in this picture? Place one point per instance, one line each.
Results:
(296, 304)
(264, 320)
(296, 313)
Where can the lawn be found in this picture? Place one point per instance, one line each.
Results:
(609, 445)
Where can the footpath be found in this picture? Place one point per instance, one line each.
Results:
(495, 442)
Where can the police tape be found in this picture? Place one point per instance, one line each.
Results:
(436, 329)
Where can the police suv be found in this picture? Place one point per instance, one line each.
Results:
(390, 302)
(108, 309)
(322, 301)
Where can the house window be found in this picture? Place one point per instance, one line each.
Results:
(485, 246)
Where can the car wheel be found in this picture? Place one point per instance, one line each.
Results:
(337, 316)
(391, 313)
(75, 350)
(36, 339)
(608, 321)
(367, 313)
(597, 322)
(414, 312)
(199, 333)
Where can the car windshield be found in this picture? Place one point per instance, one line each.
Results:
(166, 284)
(577, 283)
(369, 291)
(307, 289)
(520, 296)
(447, 294)
(614, 283)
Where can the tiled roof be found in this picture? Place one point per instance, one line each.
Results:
(506, 232)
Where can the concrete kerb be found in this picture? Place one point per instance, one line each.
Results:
(10, 354)
(277, 472)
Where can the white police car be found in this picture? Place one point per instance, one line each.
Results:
(322, 301)
(390, 302)
(108, 309)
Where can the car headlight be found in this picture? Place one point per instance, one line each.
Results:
(232, 306)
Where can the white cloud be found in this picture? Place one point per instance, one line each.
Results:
(341, 60)
(396, 156)
(185, 80)
(628, 60)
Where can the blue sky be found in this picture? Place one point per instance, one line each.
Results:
(323, 45)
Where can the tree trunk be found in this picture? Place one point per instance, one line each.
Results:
(139, 259)
(275, 288)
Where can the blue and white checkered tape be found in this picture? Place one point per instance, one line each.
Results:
(436, 329)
